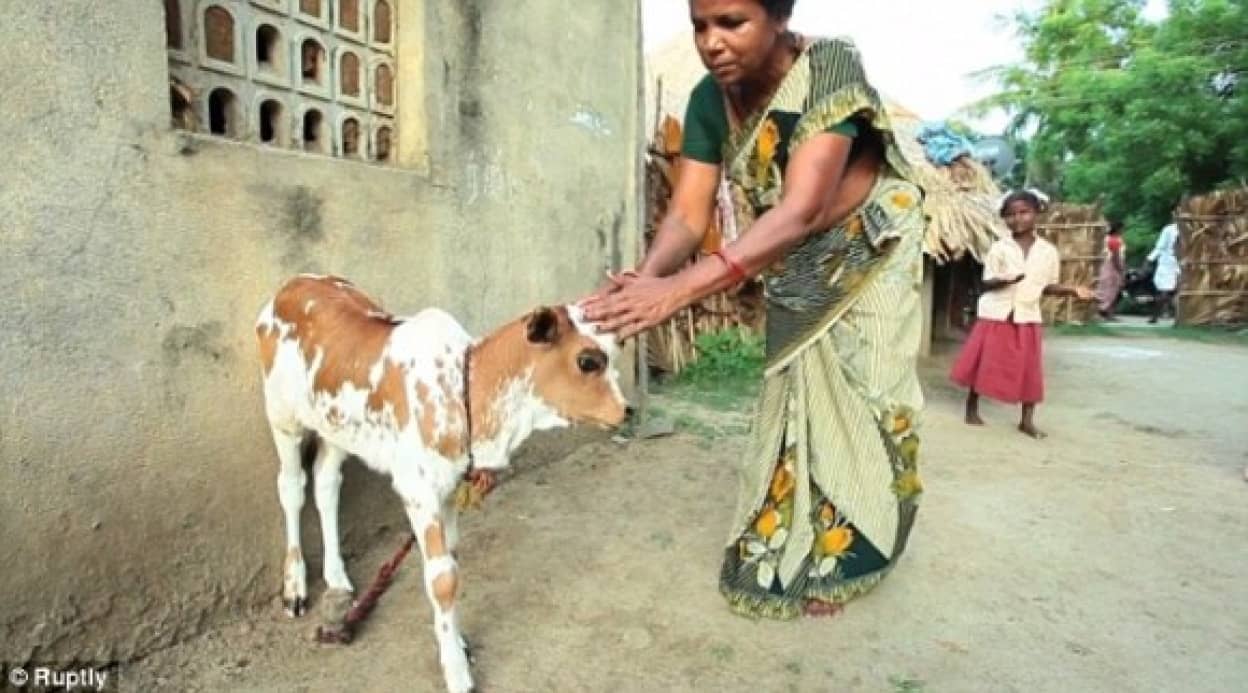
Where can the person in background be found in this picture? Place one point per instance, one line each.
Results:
(1166, 274)
(1113, 272)
(1003, 358)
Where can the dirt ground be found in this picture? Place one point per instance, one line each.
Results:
(1112, 556)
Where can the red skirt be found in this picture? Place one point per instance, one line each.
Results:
(1003, 360)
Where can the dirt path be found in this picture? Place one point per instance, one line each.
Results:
(1111, 557)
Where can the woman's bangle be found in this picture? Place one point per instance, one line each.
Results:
(734, 269)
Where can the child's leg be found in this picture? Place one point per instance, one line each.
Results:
(972, 409)
(1028, 424)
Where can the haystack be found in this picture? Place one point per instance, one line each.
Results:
(960, 202)
(1213, 241)
(960, 199)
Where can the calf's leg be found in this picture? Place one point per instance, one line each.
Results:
(290, 482)
(441, 586)
(327, 474)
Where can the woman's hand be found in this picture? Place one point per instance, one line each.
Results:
(635, 304)
(1083, 293)
(615, 281)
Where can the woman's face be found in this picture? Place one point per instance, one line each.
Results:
(1020, 216)
(733, 37)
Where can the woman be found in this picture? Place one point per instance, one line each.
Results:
(1003, 357)
(1113, 272)
(829, 485)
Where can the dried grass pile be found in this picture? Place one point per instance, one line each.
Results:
(1213, 245)
(1078, 231)
(960, 200)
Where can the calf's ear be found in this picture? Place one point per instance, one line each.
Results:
(543, 326)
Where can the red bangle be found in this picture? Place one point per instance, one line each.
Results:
(737, 272)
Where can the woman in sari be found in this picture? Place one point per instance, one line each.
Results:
(829, 484)
(1113, 272)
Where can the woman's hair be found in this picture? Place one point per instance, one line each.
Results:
(1115, 227)
(778, 9)
(1021, 196)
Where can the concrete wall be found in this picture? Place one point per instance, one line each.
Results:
(137, 498)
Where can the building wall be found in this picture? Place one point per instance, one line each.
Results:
(137, 498)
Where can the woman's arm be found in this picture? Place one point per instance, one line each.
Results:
(813, 177)
(687, 219)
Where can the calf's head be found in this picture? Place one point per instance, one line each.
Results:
(574, 368)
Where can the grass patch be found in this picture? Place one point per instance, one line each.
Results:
(728, 370)
(725, 356)
(906, 685)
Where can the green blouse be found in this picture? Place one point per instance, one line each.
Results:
(706, 124)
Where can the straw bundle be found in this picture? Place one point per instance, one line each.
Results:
(1213, 242)
(960, 200)
(1078, 231)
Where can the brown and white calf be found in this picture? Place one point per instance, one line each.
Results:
(390, 391)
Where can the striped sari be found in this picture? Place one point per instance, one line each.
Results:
(829, 484)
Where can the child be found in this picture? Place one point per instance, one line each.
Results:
(1002, 358)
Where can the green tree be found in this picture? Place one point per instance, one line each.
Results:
(1132, 113)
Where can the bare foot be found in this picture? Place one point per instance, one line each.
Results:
(817, 608)
(974, 420)
(1031, 430)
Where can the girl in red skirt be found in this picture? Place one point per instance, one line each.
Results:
(1002, 359)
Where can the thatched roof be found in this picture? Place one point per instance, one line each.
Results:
(960, 198)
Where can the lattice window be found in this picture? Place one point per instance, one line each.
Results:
(349, 15)
(270, 50)
(316, 75)
(174, 39)
(315, 132)
(383, 22)
(349, 73)
(382, 144)
(273, 123)
(383, 85)
(219, 33)
(224, 115)
(351, 137)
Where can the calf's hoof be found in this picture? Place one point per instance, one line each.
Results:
(295, 606)
(335, 604)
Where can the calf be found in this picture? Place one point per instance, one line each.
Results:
(394, 392)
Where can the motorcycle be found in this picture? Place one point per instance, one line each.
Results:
(1138, 292)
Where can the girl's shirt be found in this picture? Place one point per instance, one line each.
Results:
(1040, 267)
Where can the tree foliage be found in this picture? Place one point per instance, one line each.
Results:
(1134, 113)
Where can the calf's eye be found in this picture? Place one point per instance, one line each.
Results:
(589, 362)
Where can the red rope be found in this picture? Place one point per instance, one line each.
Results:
(364, 606)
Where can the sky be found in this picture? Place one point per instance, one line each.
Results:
(919, 53)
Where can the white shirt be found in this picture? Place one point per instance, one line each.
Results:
(1041, 267)
(1166, 277)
